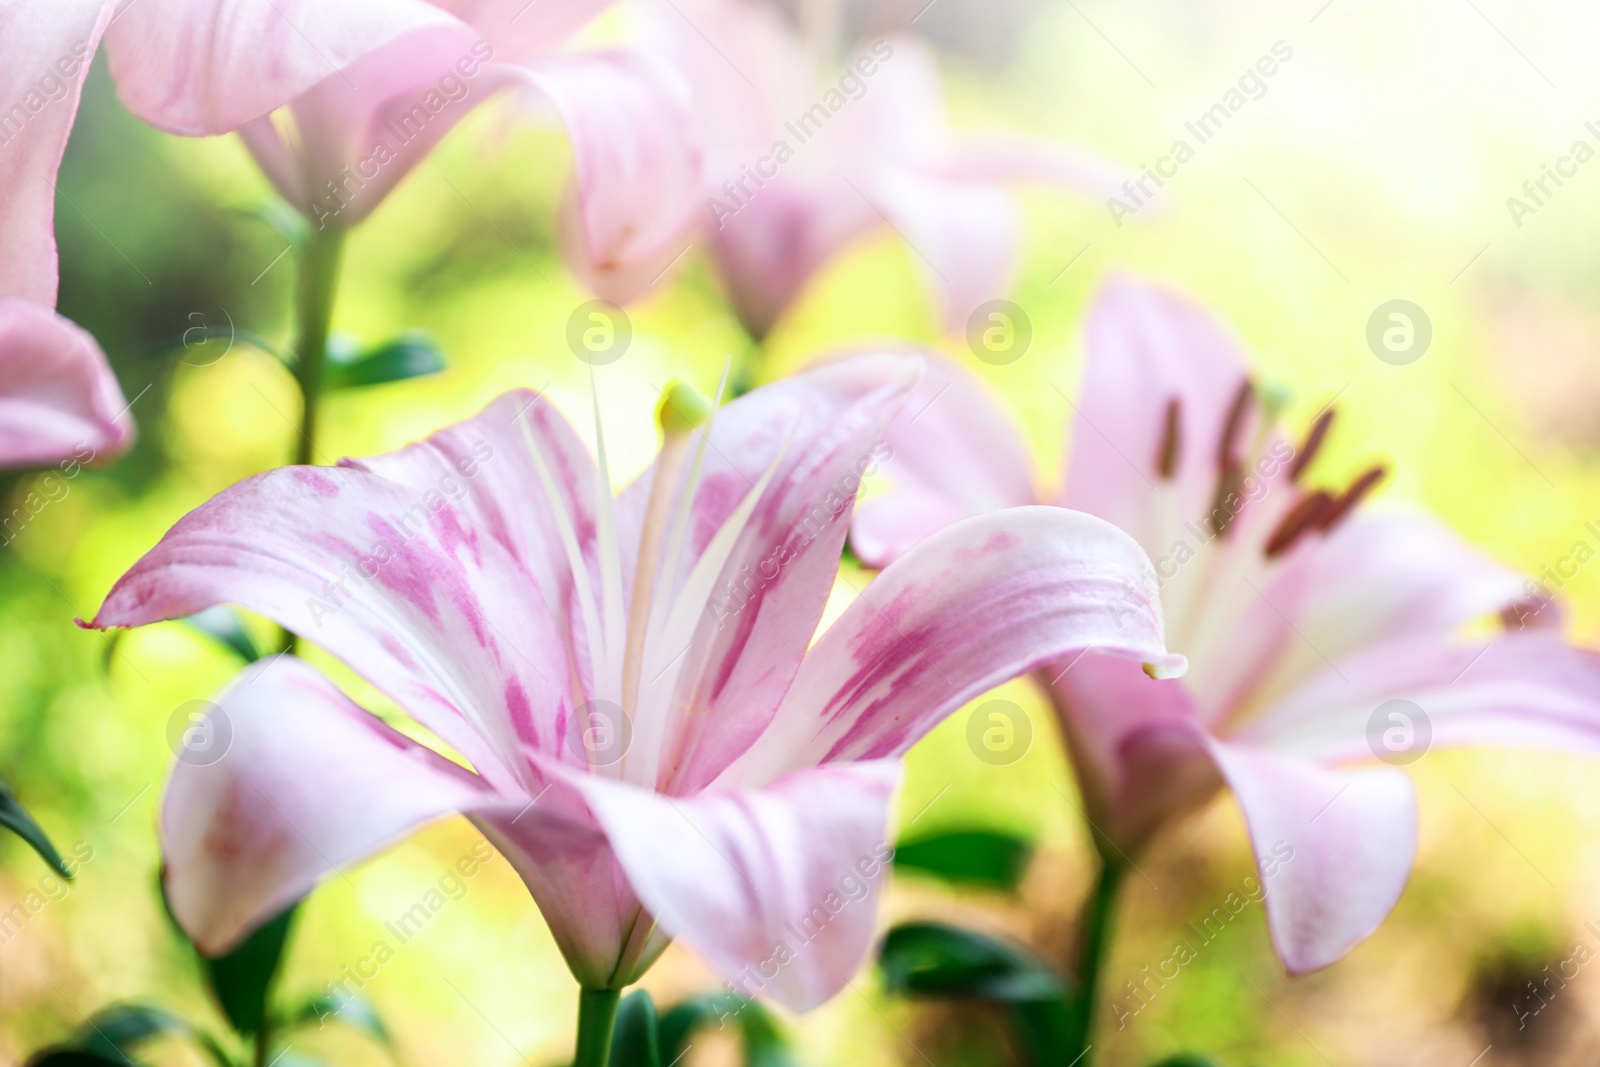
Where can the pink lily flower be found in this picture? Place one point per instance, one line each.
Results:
(655, 743)
(338, 101)
(1302, 615)
(800, 162)
(59, 401)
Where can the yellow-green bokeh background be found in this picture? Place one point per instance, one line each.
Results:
(1377, 166)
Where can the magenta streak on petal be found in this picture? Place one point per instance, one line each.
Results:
(318, 482)
(398, 650)
(999, 542)
(570, 481)
(520, 710)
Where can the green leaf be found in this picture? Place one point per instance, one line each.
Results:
(635, 1041)
(937, 960)
(242, 979)
(984, 858)
(203, 344)
(225, 625)
(1185, 1059)
(929, 959)
(355, 1012)
(16, 819)
(120, 1028)
(285, 221)
(409, 356)
(75, 1057)
(114, 1033)
(762, 1040)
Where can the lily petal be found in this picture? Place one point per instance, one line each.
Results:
(964, 235)
(975, 605)
(770, 594)
(777, 887)
(392, 582)
(1380, 576)
(1334, 848)
(58, 397)
(1521, 689)
(1145, 349)
(45, 54)
(198, 67)
(306, 784)
(638, 163)
(955, 454)
(484, 465)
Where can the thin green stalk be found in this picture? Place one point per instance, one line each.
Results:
(319, 279)
(597, 1017)
(263, 1045)
(1094, 939)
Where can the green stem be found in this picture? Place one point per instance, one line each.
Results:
(1094, 938)
(319, 278)
(263, 1045)
(597, 1016)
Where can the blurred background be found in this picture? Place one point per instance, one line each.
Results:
(1377, 165)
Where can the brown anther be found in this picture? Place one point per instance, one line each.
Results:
(1171, 441)
(1300, 519)
(1222, 513)
(1347, 500)
(1227, 450)
(1309, 450)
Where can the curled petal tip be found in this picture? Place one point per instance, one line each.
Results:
(1169, 666)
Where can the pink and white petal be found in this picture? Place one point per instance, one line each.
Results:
(747, 70)
(634, 145)
(58, 397)
(305, 783)
(356, 135)
(776, 887)
(1136, 745)
(1383, 576)
(520, 30)
(955, 454)
(769, 594)
(564, 857)
(399, 586)
(200, 67)
(1526, 689)
(1145, 349)
(45, 53)
(485, 467)
(769, 246)
(1334, 848)
(976, 604)
(963, 235)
